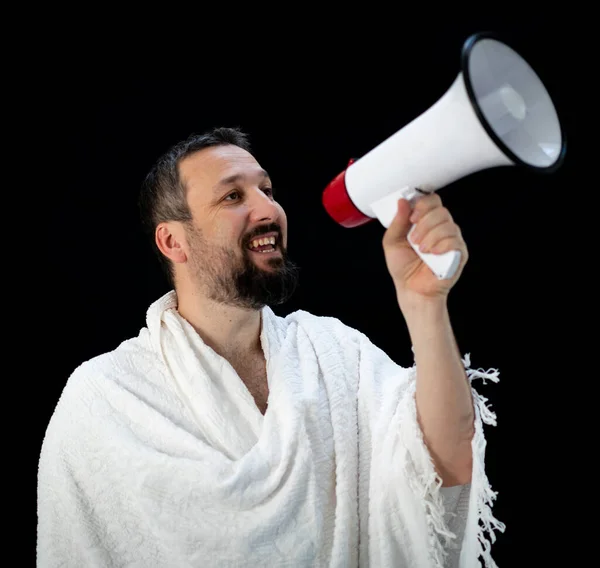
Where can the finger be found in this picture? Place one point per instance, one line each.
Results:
(451, 243)
(400, 224)
(439, 233)
(424, 204)
(429, 221)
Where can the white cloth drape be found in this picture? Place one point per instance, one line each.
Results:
(157, 456)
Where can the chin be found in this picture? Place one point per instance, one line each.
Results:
(269, 262)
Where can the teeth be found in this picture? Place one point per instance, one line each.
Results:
(263, 241)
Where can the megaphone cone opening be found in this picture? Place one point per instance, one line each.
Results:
(512, 104)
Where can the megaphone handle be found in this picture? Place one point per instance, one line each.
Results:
(442, 265)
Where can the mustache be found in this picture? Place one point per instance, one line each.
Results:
(259, 231)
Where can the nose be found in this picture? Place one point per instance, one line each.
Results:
(262, 207)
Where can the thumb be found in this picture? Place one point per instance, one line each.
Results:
(400, 225)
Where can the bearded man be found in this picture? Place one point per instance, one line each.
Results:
(224, 435)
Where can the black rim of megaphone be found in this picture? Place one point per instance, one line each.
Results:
(466, 51)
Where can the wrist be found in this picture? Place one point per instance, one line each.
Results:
(428, 324)
(425, 317)
(423, 306)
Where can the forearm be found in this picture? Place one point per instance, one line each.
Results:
(443, 394)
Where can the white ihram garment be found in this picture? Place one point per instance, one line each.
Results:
(157, 456)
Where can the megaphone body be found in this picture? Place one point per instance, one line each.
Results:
(496, 113)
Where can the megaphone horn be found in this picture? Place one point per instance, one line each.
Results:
(497, 112)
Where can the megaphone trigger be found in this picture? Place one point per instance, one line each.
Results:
(442, 265)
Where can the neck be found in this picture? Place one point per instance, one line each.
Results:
(230, 331)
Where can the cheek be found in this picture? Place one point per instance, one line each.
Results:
(232, 236)
(282, 217)
(283, 224)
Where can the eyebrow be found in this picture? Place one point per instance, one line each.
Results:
(236, 178)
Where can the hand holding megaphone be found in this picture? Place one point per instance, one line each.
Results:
(442, 265)
(496, 113)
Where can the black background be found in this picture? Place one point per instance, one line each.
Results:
(309, 108)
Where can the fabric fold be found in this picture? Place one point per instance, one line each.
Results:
(157, 456)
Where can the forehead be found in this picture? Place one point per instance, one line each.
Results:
(202, 171)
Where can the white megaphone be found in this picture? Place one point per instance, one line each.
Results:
(496, 113)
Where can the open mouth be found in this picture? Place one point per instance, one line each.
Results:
(264, 245)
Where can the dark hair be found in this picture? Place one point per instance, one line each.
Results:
(163, 196)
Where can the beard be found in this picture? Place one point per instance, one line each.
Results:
(234, 280)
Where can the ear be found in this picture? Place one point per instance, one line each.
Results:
(170, 240)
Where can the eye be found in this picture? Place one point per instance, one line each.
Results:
(269, 191)
(234, 194)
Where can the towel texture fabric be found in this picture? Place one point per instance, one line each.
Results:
(157, 456)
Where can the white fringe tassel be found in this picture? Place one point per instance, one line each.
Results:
(486, 496)
(427, 483)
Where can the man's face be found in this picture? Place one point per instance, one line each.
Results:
(237, 244)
